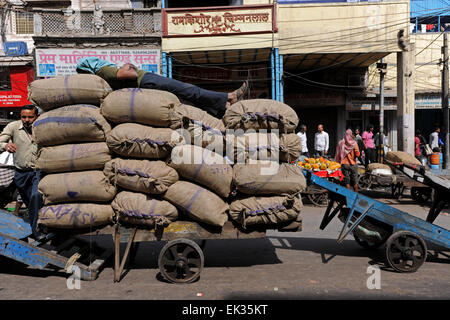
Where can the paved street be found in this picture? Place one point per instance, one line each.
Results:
(304, 265)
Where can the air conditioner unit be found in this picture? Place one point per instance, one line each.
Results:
(17, 48)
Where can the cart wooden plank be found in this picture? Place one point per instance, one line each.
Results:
(190, 230)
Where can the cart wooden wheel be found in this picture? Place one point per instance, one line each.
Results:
(319, 199)
(421, 195)
(365, 182)
(181, 261)
(367, 244)
(405, 251)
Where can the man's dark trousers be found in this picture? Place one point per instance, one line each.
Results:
(27, 183)
(211, 101)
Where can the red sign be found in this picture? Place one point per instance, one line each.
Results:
(20, 78)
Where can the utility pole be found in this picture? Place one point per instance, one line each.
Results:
(445, 101)
(382, 66)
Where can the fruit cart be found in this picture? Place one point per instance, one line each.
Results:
(323, 168)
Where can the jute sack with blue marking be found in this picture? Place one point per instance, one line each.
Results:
(261, 114)
(198, 203)
(268, 178)
(204, 167)
(265, 210)
(136, 105)
(73, 157)
(56, 92)
(82, 186)
(153, 177)
(143, 210)
(70, 124)
(75, 215)
(132, 140)
(202, 128)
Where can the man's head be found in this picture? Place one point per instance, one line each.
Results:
(437, 129)
(418, 132)
(357, 131)
(320, 128)
(28, 115)
(302, 128)
(370, 128)
(128, 66)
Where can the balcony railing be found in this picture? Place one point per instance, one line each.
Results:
(119, 22)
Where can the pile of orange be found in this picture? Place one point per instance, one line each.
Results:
(319, 164)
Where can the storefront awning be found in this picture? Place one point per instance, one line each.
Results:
(223, 56)
(15, 61)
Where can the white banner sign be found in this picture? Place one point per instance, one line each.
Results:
(62, 62)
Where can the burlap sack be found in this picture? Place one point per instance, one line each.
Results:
(265, 210)
(204, 129)
(82, 186)
(373, 166)
(136, 105)
(263, 146)
(145, 176)
(261, 114)
(73, 157)
(74, 89)
(139, 141)
(199, 203)
(143, 210)
(70, 124)
(75, 215)
(400, 156)
(268, 178)
(204, 167)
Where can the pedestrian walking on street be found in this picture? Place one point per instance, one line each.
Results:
(369, 146)
(129, 76)
(303, 140)
(17, 138)
(321, 142)
(360, 143)
(434, 139)
(347, 152)
(419, 150)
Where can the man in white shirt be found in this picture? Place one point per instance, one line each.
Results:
(321, 142)
(303, 140)
(434, 139)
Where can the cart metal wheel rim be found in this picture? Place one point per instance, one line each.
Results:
(405, 251)
(366, 244)
(181, 261)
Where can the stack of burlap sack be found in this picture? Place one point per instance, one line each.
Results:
(144, 158)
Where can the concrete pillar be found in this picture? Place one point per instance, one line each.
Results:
(405, 99)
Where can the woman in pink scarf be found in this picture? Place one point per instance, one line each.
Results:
(346, 153)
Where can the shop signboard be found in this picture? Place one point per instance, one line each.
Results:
(217, 21)
(62, 62)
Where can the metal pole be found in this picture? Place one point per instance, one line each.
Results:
(277, 75)
(281, 79)
(445, 102)
(272, 65)
(382, 69)
(169, 67)
(164, 64)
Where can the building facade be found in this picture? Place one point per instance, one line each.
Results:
(313, 55)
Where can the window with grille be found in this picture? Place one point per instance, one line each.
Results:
(5, 79)
(24, 23)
